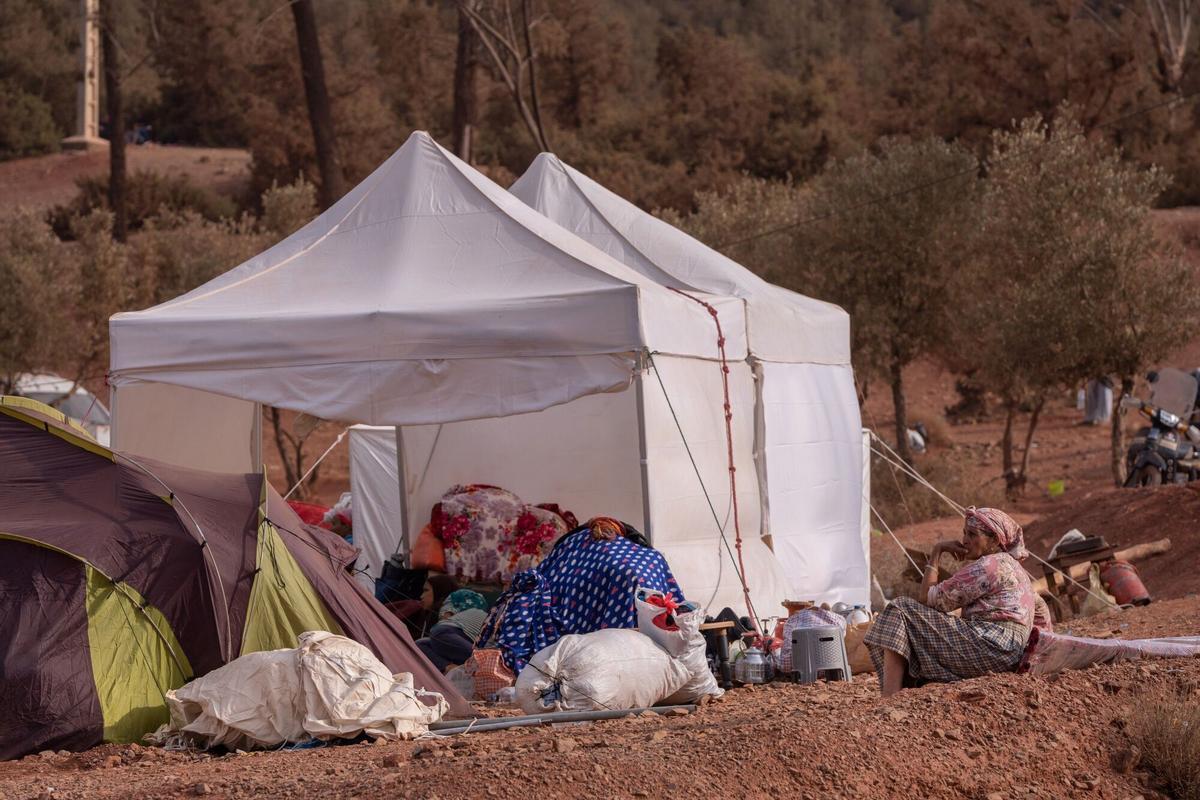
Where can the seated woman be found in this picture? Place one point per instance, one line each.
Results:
(451, 642)
(918, 641)
(585, 584)
(421, 615)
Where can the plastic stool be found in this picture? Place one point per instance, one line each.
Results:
(819, 651)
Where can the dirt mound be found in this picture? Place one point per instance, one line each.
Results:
(1130, 516)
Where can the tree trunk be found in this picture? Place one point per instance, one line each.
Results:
(1118, 432)
(466, 86)
(533, 82)
(320, 111)
(116, 122)
(897, 373)
(281, 444)
(1006, 443)
(1023, 475)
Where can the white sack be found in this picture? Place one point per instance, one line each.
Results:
(678, 634)
(694, 658)
(604, 670)
(329, 687)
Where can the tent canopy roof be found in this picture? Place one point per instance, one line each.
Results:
(783, 325)
(426, 294)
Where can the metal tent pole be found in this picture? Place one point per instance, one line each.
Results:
(402, 547)
(644, 460)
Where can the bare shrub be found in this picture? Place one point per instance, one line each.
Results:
(1167, 732)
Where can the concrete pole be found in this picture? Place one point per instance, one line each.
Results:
(87, 105)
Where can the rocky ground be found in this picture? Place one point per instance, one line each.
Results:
(1002, 736)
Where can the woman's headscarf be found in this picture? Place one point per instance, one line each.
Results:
(461, 600)
(999, 525)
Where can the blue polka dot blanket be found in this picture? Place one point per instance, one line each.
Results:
(583, 585)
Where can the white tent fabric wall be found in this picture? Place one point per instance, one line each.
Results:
(584, 455)
(866, 500)
(682, 525)
(809, 448)
(813, 455)
(375, 491)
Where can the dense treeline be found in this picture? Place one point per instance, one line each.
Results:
(970, 179)
(657, 98)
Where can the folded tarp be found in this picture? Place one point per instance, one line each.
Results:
(1053, 652)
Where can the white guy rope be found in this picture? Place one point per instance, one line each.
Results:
(317, 463)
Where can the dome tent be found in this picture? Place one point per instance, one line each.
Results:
(121, 578)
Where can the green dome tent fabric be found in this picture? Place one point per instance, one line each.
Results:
(123, 578)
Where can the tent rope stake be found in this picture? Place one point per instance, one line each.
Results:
(737, 524)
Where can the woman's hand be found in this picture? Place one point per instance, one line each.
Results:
(955, 548)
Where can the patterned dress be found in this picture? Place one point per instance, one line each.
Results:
(997, 605)
(583, 585)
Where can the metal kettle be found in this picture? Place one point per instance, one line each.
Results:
(753, 667)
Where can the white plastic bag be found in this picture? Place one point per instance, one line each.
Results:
(695, 659)
(656, 618)
(677, 631)
(604, 670)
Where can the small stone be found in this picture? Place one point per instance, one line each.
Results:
(658, 736)
(201, 789)
(971, 696)
(46, 754)
(391, 760)
(996, 796)
(112, 761)
(896, 715)
(677, 712)
(564, 744)
(64, 752)
(952, 735)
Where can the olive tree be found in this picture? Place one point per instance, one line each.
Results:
(886, 230)
(1063, 285)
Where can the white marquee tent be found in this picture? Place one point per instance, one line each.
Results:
(503, 348)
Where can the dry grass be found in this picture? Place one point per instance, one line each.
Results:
(1167, 732)
(901, 500)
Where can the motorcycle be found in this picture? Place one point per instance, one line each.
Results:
(1168, 450)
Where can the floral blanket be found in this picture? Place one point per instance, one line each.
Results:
(490, 534)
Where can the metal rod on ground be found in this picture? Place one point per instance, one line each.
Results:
(493, 725)
(499, 723)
